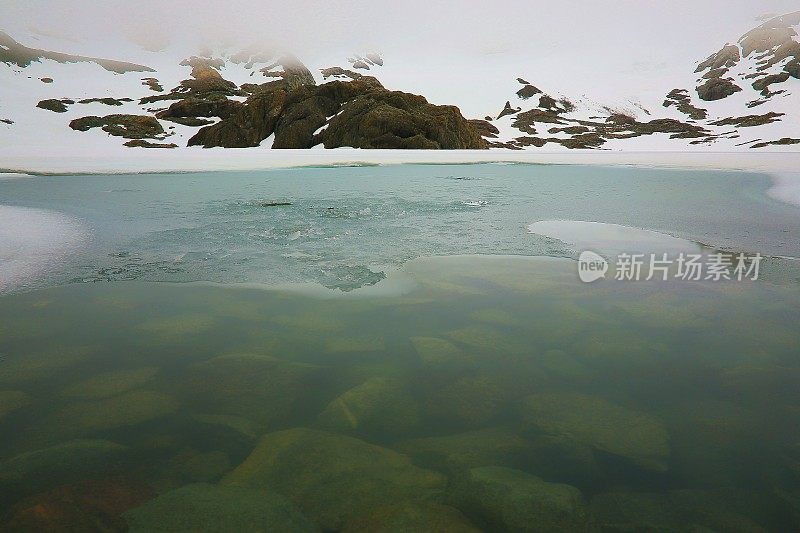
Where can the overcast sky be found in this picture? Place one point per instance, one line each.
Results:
(580, 41)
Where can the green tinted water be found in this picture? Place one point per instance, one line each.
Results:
(492, 393)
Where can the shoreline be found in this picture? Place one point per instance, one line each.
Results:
(782, 167)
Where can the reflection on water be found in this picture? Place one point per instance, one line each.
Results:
(479, 394)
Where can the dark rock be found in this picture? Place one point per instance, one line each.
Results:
(727, 57)
(547, 102)
(106, 101)
(528, 91)
(717, 89)
(293, 74)
(749, 120)
(214, 105)
(274, 204)
(393, 119)
(6, 121)
(763, 84)
(571, 130)
(508, 110)
(153, 84)
(127, 126)
(339, 72)
(189, 121)
(793, 68)
(46, 80)
(485, 128)
(141, 143)
(57, 106)
(785, 141)
(372, 118)
(680, 99)
(251, 124)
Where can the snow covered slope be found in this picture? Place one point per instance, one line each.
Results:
(744, 97)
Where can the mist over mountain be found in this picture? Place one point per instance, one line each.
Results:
(518, 75)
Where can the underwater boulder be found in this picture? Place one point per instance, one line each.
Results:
(483, 447)
(504, 499)
(639, 437)
(436, 351)
(486, 339)
(473, 400)
(91, 505)
(380, 405)
(127, 409)
(110, 383)
(59, 464)
(193, 465)
(257, 387)
(212, 508)
(411, 516)
(333, 478)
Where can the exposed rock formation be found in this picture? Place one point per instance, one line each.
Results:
(681, 100)
(140, 143)
(57, 106)
(127, 126)
(359, 113)
(717, 89)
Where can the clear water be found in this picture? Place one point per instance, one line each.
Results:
(460, 392)
(347, 227)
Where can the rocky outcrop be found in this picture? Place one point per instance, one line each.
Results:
(749, 121)
(57, 106)
(213, 105)
(762, 84)
(153, 84)
(393, 119)
(360, 114)
(106, 101)
(717, 89)
(681, 100)
(141, 143)
(251, 124)
(484, 128)
(721, 61)
(127, 126)
(785, 141)
(527, 91)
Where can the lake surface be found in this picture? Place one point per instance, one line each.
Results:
(403, 348)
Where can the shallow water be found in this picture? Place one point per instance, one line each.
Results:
(458, 392)
(349, 227)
